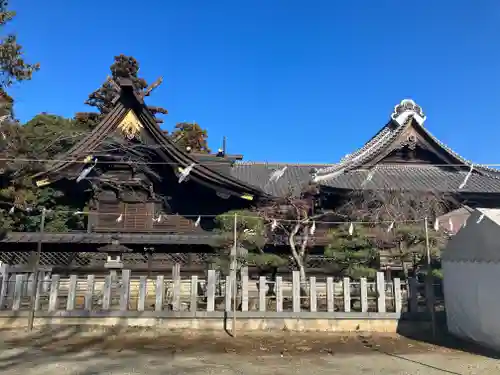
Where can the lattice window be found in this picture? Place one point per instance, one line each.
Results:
(135, 216)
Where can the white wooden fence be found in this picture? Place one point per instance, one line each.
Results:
(128, 293)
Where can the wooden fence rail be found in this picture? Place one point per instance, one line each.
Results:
(127, 293)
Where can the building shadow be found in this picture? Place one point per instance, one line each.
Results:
(422, 331)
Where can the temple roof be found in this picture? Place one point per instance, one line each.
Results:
(294, 179)
(406, 130)
(370, 168)
(414, 177)
(131, 116)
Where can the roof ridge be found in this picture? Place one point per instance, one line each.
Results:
(404, 113)
(284, 164)
(457, 155)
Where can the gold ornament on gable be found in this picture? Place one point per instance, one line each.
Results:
(130, 126)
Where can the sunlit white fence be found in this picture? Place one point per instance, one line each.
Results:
(127, 292)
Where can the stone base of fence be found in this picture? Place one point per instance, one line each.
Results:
(214, 321)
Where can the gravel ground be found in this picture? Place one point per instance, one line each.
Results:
(92, 352)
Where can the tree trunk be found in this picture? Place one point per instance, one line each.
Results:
(402, 259)
(299, 258)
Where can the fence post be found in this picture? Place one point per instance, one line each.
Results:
(176, 276)
(397, 295)
(125, 290)
(279, 294)
(330, 294)
(296, 291)
(229, 293)
(159, 293)
(211, 290)
(31, 285)
(70, 302)
(18, 292)
(26, 286)
(364, 294)
(413, 294)
(193, 305)
(54, 292)
(381, 306)
(312, 294)
(244, 292)
(106, 292)
(347, 294)
(3, 290)
(262, 293)
(89, 295)
(38, 292)
(143, 290)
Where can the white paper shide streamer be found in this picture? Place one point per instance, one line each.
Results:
(436, 225)
(274, 225)
(197, 222)
(86, 171)
(351, 229)
(390, 227)
(12, 209)
(480, 219)
(369, 176)
(313, 229)
(185, 172)
(249, 232)
(158, 219)
(119, 219)
(464, 182)
(277, 174)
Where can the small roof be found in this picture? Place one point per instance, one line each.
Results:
(106, 238)
(114, 248)
(478, 240)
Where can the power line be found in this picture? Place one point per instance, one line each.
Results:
(241, 163)
(212, 216)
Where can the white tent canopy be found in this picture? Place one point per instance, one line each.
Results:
(471, 269)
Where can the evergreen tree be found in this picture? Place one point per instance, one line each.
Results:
(192, 136)
(13, 67)
(122, 67)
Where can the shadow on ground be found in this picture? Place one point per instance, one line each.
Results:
(19, 347)
(86, 345)
(441, 338)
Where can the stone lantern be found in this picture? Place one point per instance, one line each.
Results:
(114, 260)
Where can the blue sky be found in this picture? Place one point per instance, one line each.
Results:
(290, 81)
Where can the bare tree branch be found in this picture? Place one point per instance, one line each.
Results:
(404, 240)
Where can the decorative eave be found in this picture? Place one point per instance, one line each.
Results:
(406, 109)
